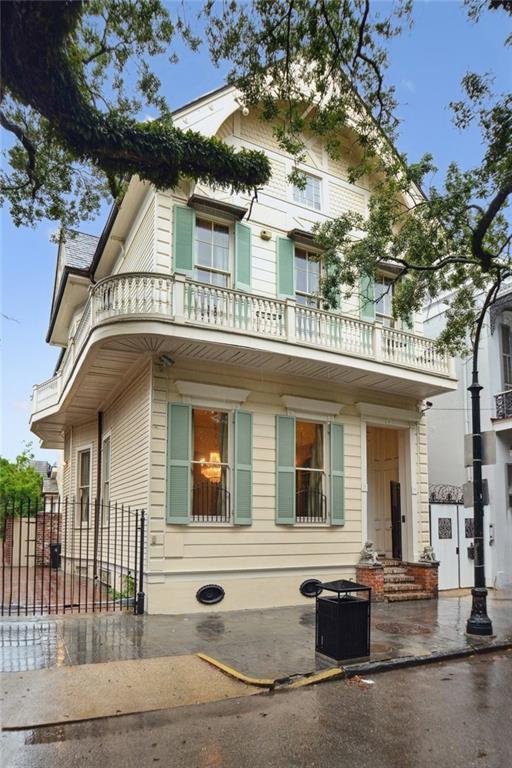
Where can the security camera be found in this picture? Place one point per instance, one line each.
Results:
(429, 404)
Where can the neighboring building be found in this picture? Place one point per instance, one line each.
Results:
(450, 419)
(202, 380)
(50, 482)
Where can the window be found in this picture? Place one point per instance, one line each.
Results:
(84, 484)
(211, 499)
(309, 472)
(105, 480)
(509, 487)
(506, 356)
(384, 300)
(310, 195)
(212, 253)
(307, 277)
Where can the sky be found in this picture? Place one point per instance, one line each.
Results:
(427, 64)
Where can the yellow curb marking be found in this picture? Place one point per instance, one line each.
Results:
(326, 674)
(259, 681)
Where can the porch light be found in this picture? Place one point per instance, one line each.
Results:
(209, 470)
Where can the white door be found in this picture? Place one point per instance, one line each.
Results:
(382, 468)
(444, 528)
(466, 545)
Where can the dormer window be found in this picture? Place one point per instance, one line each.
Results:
(310, 194)
(212, 262)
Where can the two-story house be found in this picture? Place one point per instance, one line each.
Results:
(203, 380)
(449, 421)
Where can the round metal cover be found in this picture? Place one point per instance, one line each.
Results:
(310, 588)
(210, 594)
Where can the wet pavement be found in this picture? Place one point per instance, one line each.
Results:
(269, 643)
(450, 715)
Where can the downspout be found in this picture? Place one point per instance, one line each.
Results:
(97, 515)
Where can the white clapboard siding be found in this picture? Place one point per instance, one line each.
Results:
(140, 243)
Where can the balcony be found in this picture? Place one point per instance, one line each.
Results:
(503, 402)
(232, 320)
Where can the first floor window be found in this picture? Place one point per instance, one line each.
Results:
(210, 466)
(309, 472)
(84, 484)
(309, 195)
(105, 480)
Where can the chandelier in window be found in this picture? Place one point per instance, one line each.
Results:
(212, 470)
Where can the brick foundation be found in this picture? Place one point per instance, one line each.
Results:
(425, 575)
(372, 576)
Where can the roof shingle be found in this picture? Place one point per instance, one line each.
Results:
(79, 249)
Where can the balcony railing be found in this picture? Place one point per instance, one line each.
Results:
(504, 405)
(310, 506)
(175, 299)
(211, 503)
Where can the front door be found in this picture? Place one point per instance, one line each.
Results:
(453, 543)
(382, 468)
(396, 520)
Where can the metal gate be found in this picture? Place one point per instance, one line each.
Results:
(71, 557)
(452, 536)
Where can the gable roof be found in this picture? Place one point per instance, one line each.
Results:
(78, 249)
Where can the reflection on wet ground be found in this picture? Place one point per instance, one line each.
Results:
(266, 643)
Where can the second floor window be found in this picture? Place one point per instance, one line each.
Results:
(506, 356)
(310, 194)
(384, 300)
(307, 278)
(211, 263)
(210, 466)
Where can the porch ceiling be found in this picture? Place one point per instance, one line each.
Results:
(108, 364)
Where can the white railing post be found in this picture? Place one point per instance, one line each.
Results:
(291, 320)
(178, 298)
(378, 347)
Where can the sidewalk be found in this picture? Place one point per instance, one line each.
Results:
(272, 643)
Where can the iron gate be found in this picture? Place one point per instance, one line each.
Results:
(71, 557)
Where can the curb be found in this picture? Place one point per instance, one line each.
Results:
(294, 682)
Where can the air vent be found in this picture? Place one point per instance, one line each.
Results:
(210, 594)
(311, 587)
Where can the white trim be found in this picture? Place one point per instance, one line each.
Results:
(82, 449)
(384, 414)
(196, 394)
(106, 436)
(310, 408)
(364, 483)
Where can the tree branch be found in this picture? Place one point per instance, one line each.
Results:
(480, 231)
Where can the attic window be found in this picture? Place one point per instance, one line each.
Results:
(310, 194)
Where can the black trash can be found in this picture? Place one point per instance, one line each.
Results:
(55, 550)
(343, 620)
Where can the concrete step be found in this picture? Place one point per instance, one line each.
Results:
(412, 587)
(398, 578)
(398, 597)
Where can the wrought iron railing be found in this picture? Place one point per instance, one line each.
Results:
(310, 506)
(211, 503)
(446, 494)
(504, 405)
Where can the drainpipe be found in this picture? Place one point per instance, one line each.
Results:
(98, 494)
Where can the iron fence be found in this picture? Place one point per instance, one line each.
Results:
(71, 556)
(310, 506)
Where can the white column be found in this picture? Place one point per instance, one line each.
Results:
(290, 321)
(178, 298)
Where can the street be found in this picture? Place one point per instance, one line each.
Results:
(446, 714)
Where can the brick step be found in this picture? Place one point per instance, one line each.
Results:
(396, 570)
(412, 587)
(395, 598)
(396, 578)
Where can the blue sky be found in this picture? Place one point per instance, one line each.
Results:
(427, 64)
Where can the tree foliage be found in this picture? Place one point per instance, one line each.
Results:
(19, 482)
(71, 100)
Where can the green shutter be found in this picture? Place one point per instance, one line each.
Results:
(337, 475)
(242, 257)
(285, 267)
(184, 223)
(243, 468)
(367, 298)
(178, 463)
(285, 470)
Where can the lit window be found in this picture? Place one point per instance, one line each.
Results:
(310, 194)
(506, 356)
(212, 253)
(210, 466)
(84, 484)
(309, 472)
(384, 300)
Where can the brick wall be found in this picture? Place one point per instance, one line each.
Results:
(425, 575)
(48, 532)
(372, 576)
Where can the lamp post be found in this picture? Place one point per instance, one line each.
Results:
(479, 622)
